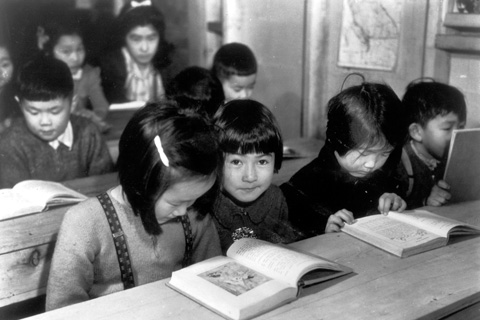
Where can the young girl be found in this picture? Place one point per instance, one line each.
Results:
(168, 158)
(131, 71)
(65, 42)
(353, 175)
(9, 108)
(248, 204)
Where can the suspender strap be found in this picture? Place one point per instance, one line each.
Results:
(408, 167)
(187, 230)
(119, 241)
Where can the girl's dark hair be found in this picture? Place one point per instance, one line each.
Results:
(45, 79)
(423, 101)
(131, 18)
(247, 126)
(189, 142)
(234, 59)
(365, 116)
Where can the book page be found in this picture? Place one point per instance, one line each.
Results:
(14, 204)
(44, 191)
(276, 261)
(428, 221)
(132, 105)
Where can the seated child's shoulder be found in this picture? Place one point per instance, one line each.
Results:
(83, 124)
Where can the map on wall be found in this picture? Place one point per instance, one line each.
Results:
(370, 34)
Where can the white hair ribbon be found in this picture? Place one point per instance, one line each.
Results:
(161, 153)
(135, 4)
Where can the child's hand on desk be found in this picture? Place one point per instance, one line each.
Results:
(337, 221)
(390, 202)
(439, 195)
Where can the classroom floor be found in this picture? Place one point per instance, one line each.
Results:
(23, 309)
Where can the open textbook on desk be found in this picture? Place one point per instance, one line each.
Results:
(31, 196)
(255, 277)
(463, 165)
(407, 233)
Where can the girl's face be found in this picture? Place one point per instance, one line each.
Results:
(238, 87)
(142, 44)
(176, 200)
(247, 176)
(6, 67)
(70, 49)
(361, 162)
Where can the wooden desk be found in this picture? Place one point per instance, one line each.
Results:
(430, 285)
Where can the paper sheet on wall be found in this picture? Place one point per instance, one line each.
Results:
(370, 34)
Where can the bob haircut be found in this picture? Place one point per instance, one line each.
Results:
(247, 126)
(45, 79)
(234, 59)
(189, 142)
(365, 116)
(423, 101)
(142, 16)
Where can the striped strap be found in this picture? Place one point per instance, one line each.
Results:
(119, 241)
(187, 230)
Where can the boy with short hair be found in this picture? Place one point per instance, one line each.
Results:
(234, 64)
(434, 110)
(49, 143)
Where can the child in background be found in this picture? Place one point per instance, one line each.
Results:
(197, 84)
(433, 110)
(65, 42)
(353, 175)
(48, 143)
(9, 108)
(131, 71)
(168, 159)
(249, 205)
(234, 64)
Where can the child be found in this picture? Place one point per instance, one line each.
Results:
(433, 110)
(65, 42)
(48, 143)
(197, 84)
(9, 108)
(234, 64)
(168, 159)
(248, 204)
(353, 174)
(131, 71)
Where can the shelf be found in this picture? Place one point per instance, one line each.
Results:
(458, 43)
(462, 20)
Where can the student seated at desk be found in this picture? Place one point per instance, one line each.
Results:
(434, 110)
(353, 174)
(235, 66)
(169, 158)
(48, 143)
(249, 205)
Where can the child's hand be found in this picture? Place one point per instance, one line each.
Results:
(440, 194)
(390, 201)
(337, 221)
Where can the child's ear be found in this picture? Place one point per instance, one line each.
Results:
(416, 132)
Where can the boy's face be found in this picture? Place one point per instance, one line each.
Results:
(238, 87)
(247, 176)
(142, 44)
(70, 50)
(434, 138)
(361, 162)
(47, 119)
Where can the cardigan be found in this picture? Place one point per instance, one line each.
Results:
(323, 187)
(24, 156)
(88, 89)
(266, 217)
(85, 265)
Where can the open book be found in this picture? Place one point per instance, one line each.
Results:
(463, 165)
(255, 277)
(31, 196)
(408, 233)
(131, 105)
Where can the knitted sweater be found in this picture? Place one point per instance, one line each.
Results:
(85, 265)
(23, 156)
(89, 90)
(267, 217)
(322, 188)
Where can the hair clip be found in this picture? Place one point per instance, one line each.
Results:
(135, 4)
(161, 152)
